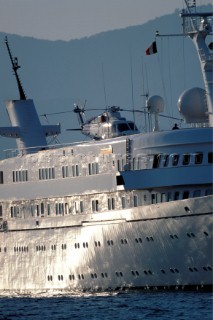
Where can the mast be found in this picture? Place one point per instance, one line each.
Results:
(198, 25)
(15, 67)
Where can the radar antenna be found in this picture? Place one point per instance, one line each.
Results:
(15, 67)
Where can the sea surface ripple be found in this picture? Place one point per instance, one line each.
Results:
(131, 305)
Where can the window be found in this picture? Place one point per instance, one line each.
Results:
(165, 160)
(175, 158)
(66, 208)
(135, 200)
(196, 193)
(46, 173)
(210, 157)
(65, 172)
(93, 168)
(176, 195)
(59, 208)
(153, 198)
(163, 197)
(156, 160)
(42, 209)
(20, 176)
(14, 211)
(120, 180)
(198, 158)
(209, 192)
(95, 205)
(111, 203)
(169, 196)
(48, 209)
(1, 212)
(123, 202)
(1, 177)
(185, 194)
(186, 159)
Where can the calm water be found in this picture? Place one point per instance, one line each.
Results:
(126, 305)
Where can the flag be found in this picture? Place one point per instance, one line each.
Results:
(152, 49)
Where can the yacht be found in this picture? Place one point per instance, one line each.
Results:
(126, 209)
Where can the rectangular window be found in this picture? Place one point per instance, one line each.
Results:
(153, 198)
(176, 195)
(123, 202)
(1, 212)
(135, 200)
(48, 209)
(185, 194)
(198, 158)
(175, 158)
(210, 157)
(186, 159)
(1, 177)
(42, 209)
(95, 205)
(158, 198)
(196, 193)
(81, 206)
(46, 173)
(165, 160)
(111, 203)
(169, 196)
(32, 210)
(156, 160)
(75, 171)
(37, 210)
(163, 197)
(209, 192)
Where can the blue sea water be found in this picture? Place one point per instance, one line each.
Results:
(131, 305)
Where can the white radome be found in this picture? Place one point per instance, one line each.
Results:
(193, 106)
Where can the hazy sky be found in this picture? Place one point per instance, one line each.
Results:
(70, 19)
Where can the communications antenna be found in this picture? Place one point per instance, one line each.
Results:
(15, 67)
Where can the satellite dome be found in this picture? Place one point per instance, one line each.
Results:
(155, 104)
(193, 106)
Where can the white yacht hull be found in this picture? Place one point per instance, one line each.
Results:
(167, 245)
